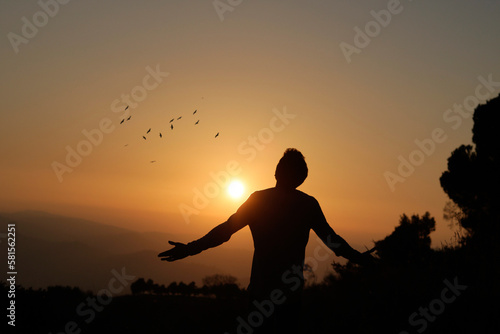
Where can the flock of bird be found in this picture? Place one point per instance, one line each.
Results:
(159, 133)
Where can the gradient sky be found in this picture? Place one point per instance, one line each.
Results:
(352, 120)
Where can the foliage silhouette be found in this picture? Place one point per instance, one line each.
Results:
(222, 286)
(138, 287)
(410, 242)
(141, 287)
(472, 180)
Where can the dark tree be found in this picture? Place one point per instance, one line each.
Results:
(192, 289)
(182, 289)
(410, 242)
(218, 279)
(138, 287)
(172, 289)
(222, 286)
(159, 289)
(472, 180)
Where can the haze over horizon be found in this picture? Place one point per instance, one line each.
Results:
(375, 95)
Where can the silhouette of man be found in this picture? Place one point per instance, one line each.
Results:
(280, 219)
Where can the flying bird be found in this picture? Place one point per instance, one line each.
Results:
(198, 121)
(128, 119)
(160, 135)
(171, 120)
(144, 137)
(123, 120)
(194, 112)
(172, 126)
(217, 135)
(153, 161)
(148, 131)
(178, 118)
(126, 108)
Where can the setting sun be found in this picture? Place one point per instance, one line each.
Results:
(235, 189)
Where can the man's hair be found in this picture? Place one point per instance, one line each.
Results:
(291, 170)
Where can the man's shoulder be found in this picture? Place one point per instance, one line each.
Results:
(306, 197)
(261, 193)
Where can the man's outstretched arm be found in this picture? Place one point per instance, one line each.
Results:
(335, 242)
(215, 237)
(341, 248)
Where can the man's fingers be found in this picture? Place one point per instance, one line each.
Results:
(369, 251)
(165, 253)
(173, 253)
(173, 243)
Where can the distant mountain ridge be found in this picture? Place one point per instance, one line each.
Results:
(57, 228)
(59, 250)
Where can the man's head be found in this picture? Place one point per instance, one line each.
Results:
(291, 170)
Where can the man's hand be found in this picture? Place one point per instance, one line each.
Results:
(179, 251)
(365, 258)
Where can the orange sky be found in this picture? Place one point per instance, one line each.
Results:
(352, 120)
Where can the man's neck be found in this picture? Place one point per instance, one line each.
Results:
(283, 187)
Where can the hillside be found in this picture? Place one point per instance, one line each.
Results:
(59, 250)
